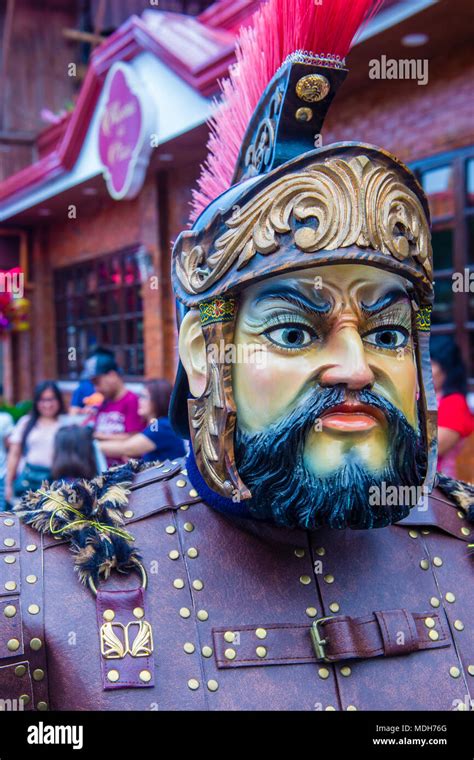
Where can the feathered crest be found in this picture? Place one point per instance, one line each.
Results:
(279, 28)
(89, 515)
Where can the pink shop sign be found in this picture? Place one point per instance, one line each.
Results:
(126, 125)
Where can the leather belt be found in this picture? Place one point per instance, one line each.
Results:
(380, 634)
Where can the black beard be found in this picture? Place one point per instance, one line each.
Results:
(285, 491)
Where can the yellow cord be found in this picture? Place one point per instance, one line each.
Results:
(102, 527)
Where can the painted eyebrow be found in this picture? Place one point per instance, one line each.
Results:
(393, 296)
(294, 297)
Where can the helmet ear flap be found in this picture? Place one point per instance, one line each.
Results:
(213, 416)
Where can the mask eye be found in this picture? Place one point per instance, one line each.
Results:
(388, 338)
(290, 336)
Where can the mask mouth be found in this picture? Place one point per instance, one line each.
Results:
(353, 416)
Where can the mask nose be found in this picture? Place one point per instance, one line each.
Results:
(349, 365)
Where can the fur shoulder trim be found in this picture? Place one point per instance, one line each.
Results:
(89, 514)
(458, 491)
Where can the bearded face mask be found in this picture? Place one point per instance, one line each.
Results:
(315, 268)
(327, 418)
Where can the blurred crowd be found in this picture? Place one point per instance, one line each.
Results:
(106, 424)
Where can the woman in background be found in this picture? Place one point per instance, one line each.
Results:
(157, 441)
(455, 421)
(74, 454)
(32, 441)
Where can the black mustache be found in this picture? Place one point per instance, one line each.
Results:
(272, 465)
(316, 403)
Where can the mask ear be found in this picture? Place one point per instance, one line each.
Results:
(192, 352)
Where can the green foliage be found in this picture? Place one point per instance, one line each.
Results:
(17, 411)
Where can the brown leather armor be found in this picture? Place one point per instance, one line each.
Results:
(232, 604)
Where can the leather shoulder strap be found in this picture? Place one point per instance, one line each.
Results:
(165, 486)
(157, 472)
(442, 512)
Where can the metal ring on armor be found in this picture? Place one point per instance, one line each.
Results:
(139, 569)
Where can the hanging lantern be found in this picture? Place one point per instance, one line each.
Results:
(18, 311)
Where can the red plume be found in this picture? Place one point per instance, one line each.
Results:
(279, 28)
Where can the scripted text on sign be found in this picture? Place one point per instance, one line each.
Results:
(124, 129)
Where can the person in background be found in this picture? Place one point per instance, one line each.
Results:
(32, 441)
(6, 427)
(158, 441)
(84, 398)
(117, 417)
(455, 421)
(74, 454)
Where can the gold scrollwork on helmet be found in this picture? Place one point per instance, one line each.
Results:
(334, 204)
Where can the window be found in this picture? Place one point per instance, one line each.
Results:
(448, 181)
(100, 302)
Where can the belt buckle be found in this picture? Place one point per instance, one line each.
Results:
(319, 643)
